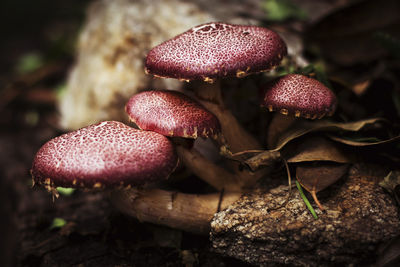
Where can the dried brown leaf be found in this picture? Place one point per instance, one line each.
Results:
(362, 143)
(315, 177)
(304, 127)
(389, 255)
(316, 149)
(279, 124)
(392, 182)
(318, 176)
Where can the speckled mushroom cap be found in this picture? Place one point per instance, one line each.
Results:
(108, 154)
(301, 96)
(214, 50)
(172, 113)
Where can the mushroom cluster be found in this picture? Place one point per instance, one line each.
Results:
(133, 161)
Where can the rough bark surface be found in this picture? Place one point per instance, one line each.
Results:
(262, 229)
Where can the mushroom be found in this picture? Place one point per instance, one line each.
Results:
(105, 155)
(215, 50)
(173, 114)
(176, 115)
(300, 96)
(295, 96)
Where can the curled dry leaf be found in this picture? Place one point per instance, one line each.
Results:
(358, 143)
(278, 125)
(303, 127)
(390, 253)
(315, 149)
(392, 183)
(315, 177)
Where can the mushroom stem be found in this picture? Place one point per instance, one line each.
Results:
(236, 136)
(188, 212)
(206, 170)
(209, 91)
(221, 179)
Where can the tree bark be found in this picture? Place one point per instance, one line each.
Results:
(262, 228)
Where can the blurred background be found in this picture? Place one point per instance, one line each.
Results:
(66, 64)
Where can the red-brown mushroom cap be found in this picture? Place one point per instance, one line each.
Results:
(214, 50)
(108, 154)
(301, 96)
(172, 113)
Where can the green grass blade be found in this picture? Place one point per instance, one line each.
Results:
(306, 200)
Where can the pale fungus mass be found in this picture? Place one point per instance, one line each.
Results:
(172, 113)
(215, 50)
(108, 154)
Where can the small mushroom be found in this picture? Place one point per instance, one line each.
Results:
(105, 155)
(176, 115)
(173, 114)
(299, 96)
(296, 96)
